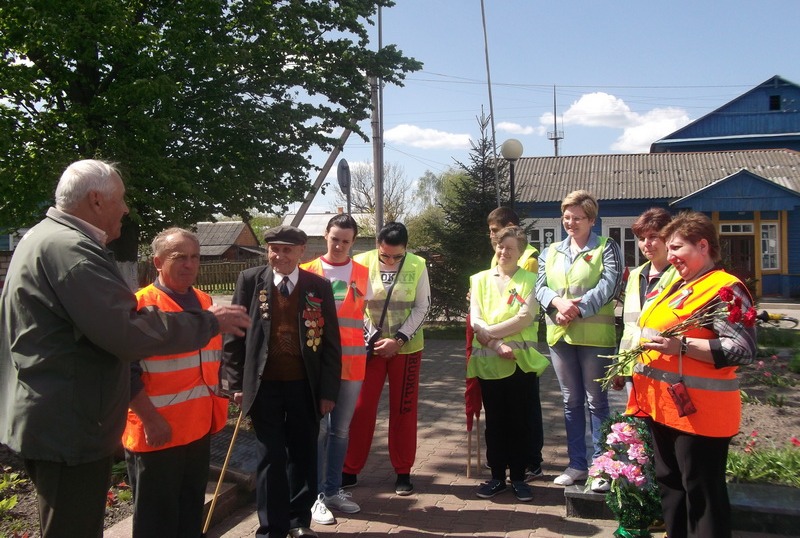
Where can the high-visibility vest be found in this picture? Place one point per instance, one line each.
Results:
(402, 300)
(351, 319)
(632, 308)
(496, 307)
(528, 260)
(583, 275)
(713, 391)
(180, 386)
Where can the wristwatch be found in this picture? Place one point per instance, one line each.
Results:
(684, 345)
(400, 341)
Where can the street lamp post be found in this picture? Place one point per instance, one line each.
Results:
(511, 151)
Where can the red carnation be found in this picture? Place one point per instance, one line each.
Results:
(750, 317)
(735, 314)
(726, 293)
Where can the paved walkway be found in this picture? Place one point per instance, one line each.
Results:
(444, 501)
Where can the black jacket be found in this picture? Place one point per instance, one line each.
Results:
(244, 358)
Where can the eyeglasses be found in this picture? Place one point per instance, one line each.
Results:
(394, 257)
(576, 220)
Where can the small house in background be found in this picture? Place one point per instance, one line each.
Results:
(314, 224)
(228, 241)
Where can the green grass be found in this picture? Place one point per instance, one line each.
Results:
(772, 337)
(766, 465)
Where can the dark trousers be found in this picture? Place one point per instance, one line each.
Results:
(690, 470)
(286, 428)
(508, 423)
(72, 498)
(169, 488)
(536, 439)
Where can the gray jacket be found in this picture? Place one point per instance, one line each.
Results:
(68, 327)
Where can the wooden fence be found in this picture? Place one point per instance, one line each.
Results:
(215, 277)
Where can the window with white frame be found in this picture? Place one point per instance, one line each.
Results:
(731, 228)
(543, 232)
(619, 229)
(769, 246)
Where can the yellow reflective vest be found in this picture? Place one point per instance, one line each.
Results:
(402, 300)
(496, 307)
(582, 276)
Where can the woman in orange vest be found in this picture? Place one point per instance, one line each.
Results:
(351, 289)
(687, 383)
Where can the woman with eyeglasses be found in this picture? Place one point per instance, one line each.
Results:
(579, 278)
(393, 327)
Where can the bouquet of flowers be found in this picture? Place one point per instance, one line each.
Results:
(725, 305)
(627, 465)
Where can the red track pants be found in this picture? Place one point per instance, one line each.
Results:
(403, 371)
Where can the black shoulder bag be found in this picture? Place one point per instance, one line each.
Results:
(377, 334)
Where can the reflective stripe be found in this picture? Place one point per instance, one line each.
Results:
(630, 317)
(354, 350)
(513, 344)
(692, 382)
(400, 306)
(181, 363)
(201, 391)
(349, 323)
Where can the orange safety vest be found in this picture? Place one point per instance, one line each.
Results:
(351, 320)
(181, 386)
(713, 391)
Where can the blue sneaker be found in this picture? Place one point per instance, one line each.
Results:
(491, 488)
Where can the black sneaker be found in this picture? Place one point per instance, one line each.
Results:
(522, 491)
(532, 474)
(491, 488)
(403, 485)
(349, 480)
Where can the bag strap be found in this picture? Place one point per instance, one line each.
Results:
(389, 295)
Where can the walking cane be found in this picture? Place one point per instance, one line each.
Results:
(469, 452)
(222, 473)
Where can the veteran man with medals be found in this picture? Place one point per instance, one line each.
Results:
(285, 373)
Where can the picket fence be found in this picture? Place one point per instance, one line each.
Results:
(217, 278)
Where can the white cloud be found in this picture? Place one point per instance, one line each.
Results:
(417, 137)
(515, 128)
(601, 109)
(650, 127)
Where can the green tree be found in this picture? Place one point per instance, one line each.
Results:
(210, 107)
(459, 243)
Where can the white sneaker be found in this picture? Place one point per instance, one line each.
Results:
(570, 476)
(600, 485)
(320, 512)
(341, 502)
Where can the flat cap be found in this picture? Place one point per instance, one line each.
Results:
(285, 235)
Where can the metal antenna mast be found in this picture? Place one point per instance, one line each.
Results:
(555, 135)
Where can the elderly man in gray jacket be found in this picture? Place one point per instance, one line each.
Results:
(68, 328)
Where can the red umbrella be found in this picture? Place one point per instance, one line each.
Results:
(472, 403)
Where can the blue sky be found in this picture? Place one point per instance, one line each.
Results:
(625, 73)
